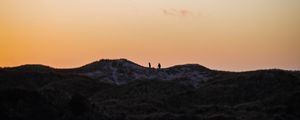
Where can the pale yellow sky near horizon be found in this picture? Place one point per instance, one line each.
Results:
(219, 34)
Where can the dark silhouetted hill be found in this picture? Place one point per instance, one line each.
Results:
(123, 90)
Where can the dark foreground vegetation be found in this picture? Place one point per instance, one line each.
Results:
(54, 95)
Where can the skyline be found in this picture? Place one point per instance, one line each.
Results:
(233, 35)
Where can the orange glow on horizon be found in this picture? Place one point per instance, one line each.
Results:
(219, 34)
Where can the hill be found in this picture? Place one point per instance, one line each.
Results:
(121, 89)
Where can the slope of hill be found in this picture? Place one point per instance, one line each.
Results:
(31, 68)
(123, 71)
(121, 89)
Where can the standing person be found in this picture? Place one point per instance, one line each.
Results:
(149, 65)
(159, 66)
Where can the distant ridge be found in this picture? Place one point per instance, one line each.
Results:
(123, 71)
(31, 67)
(120, 61)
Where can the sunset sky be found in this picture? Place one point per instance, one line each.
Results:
(219, 34)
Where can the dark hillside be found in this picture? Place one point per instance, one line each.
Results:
(120, 89)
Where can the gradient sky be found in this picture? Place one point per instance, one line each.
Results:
(220, 34)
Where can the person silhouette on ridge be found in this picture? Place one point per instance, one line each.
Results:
(149, 65)
(159, 66)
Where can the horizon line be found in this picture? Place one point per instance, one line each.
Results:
(99, 60)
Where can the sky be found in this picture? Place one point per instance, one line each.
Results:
(234, 35)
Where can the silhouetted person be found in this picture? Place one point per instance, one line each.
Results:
(159, 66)
(149, 65)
